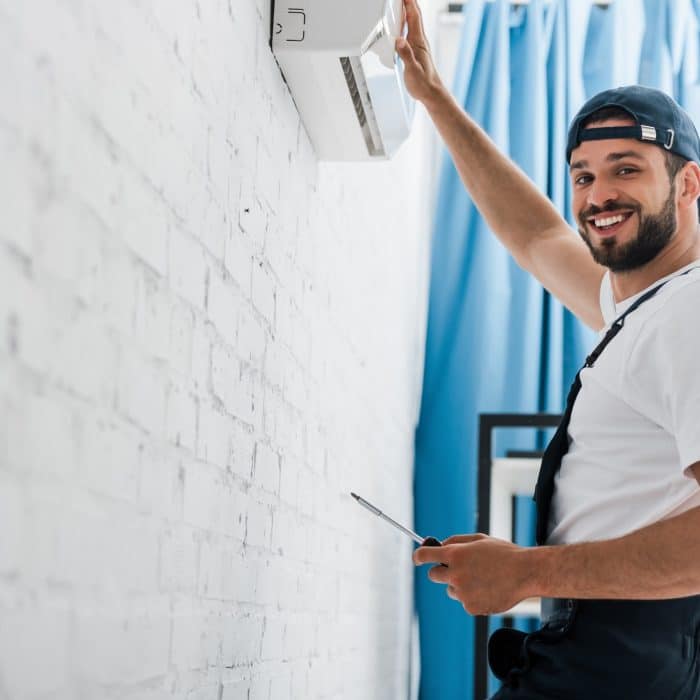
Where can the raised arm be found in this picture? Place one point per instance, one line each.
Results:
(524, 220)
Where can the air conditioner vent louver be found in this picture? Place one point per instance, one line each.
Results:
(360, 96)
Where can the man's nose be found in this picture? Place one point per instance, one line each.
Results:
(600, 193)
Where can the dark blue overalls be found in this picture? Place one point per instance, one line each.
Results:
(598, 649)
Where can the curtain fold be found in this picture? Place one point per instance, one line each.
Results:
(496, 342)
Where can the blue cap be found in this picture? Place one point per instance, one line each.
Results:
(659, 120)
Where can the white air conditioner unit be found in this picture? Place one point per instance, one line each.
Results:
(338, 59)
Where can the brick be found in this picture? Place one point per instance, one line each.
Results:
(84, 358)
(57, 450)
(19, 204)
(281, 686)
(201, 358)
(234, 513)
(133, 556)
(141, 392)
(286, 534)
(190, 638)
(242, 579)
(187, 269)
(242, 449)
(162, 484)
(273, 638)
(213, 225)
(306, 492)
(181, 417)
(145, 228)
(259, 527)
(178, 561)
(117, 291)
(212, 570)
(213, 436)
(276, 359)
(284, 426)
(252, 217)
(69, 246)
(21, 645)
(116, 649)
(267, 184)
(239, 260)
(208, 689)
(28, 317)
(263, 292)
(242, 640)
(63, 545)
(266, 471)
(236, 690)
(296, 390)
(289, 480)
(231, 384)
(202, 501)
(279, 251)
(12, 526)
(222, 308)
(251, 338)
(152, 314)
(110, 458)
(180, 338)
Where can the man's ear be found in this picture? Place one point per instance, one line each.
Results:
(689, 186)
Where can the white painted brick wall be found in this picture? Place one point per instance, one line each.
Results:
(207, 339)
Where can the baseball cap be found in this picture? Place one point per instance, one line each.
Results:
(659, 119)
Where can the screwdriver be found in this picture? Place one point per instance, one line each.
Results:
(422, 541)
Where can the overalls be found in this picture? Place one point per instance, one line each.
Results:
(598, 649)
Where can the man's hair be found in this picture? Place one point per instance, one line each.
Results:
(673, 161)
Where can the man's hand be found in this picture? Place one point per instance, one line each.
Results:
(420, 75)
(485, 574)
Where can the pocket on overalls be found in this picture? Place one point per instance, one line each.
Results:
(504, 651)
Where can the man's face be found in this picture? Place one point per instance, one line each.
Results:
(623, 200)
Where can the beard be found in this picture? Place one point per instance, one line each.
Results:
(655, 231)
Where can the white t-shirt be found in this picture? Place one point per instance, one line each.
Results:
(635, 425)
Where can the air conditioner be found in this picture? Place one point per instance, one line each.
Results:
(338, 59)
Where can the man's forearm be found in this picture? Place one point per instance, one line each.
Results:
(514, 208)
(658, 561)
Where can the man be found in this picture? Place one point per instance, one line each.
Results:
(618, 495)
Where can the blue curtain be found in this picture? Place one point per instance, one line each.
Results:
(496, 341)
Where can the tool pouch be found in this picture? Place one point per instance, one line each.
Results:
(505, 651)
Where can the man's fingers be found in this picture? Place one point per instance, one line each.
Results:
(429, 555)
(414, 19)
(403, 48)
(460, 539)
(439, 574)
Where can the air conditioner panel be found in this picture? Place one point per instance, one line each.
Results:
(309, 54)
(334, 133)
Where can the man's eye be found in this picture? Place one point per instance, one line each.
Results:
(583, 180)
(626, 171)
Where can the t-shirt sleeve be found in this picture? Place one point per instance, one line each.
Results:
(663, 372)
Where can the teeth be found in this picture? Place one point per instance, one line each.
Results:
(609, 220)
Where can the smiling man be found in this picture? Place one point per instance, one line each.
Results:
(618, 494)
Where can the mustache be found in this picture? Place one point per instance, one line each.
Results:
(612, 206)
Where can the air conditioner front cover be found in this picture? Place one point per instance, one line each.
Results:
(346, 79)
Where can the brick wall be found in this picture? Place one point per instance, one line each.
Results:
(207, 339)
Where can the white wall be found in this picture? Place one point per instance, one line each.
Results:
(206, 340)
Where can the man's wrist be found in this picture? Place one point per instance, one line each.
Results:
(541, 571)
(437, 97)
